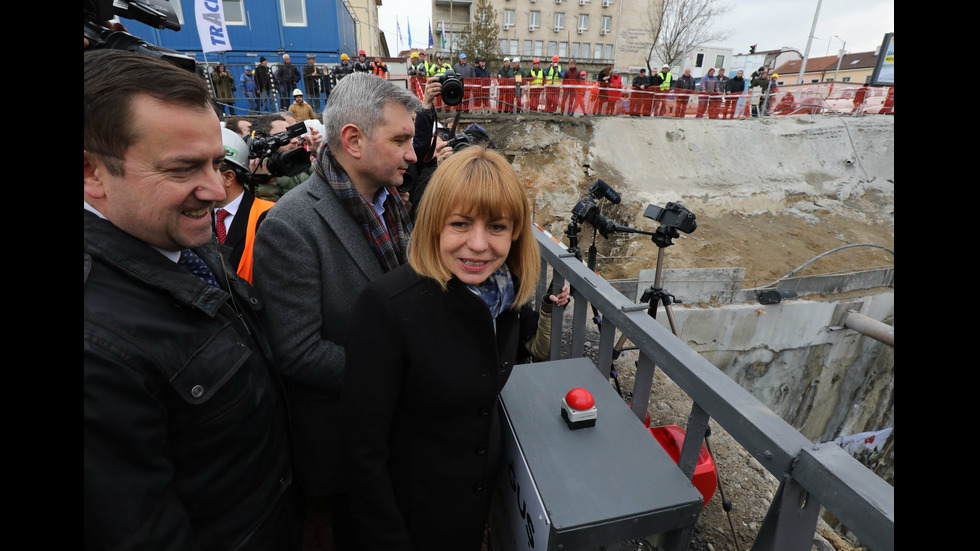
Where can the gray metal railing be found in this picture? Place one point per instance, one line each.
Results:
(810, 474)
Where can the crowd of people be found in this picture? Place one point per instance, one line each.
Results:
(331, 355)
(541, 87)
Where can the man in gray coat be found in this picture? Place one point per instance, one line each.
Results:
(317, 249)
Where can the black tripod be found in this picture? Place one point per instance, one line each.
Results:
(655, 294)
(572, 233)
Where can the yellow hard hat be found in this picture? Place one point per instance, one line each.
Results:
(775, 75)
(415, 54)
(344, 57)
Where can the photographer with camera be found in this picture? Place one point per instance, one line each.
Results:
(317, 249)
(238, 215)
(269, 185)
(186, 444)
(224, 90)
(429, 144)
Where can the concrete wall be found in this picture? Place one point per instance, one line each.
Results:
(823, 380)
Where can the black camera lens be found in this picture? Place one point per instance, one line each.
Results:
(452, 88)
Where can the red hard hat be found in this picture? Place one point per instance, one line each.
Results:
(361, 52)
(536, 61)
(554, 59)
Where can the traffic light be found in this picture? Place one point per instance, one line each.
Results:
(752, 49)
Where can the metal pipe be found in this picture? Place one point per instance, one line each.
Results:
(873, 328)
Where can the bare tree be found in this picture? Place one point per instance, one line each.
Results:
(678, 26)
(481, 41)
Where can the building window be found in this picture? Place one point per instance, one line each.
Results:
(575, 49)
(608, 51)
(552, 48)
(538, 48)
(559, 21)
(583, 22)
(719, 62)
(699, 60)
(508, 19)
(528, 48)
(584, 54)
(563, 49)
(535, 20)
(234, 11)
(606, 23)
(845, 79)
(598, 51)
(293, 13)
(515, 47)
(502, 49)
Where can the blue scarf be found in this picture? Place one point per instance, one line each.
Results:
(497, 291)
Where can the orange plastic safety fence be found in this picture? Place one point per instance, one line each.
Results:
(505, 95)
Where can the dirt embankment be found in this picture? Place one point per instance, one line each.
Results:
(769, 195)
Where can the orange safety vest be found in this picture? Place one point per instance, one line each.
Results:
(380, 70)
(245, 264)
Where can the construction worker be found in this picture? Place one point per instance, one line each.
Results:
(664, 80)
(415, 67)
(536, 81)
(379, 68)
(361, 63)
(441, 66)
(237, 217)
(300, 109)
(552, 82)
(427, 65)
(342, 70)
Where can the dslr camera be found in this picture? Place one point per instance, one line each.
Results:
(281, 163)
(674, 215)
(155, 13)
(452, 88)
(588, 211)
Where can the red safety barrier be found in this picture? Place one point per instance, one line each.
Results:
(505, 95)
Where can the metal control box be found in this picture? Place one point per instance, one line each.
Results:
(568, 490)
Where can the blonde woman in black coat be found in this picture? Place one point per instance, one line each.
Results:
(431, 345)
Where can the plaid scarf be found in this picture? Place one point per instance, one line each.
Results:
(388, 244)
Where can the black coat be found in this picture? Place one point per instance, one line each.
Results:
(185, 439)
(421, 428)
(685, 83)
(736, 85)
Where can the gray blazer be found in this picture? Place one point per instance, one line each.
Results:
(311, 261)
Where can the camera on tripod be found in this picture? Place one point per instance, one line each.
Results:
(587, 209)
(155, 13)
(280, 163)
(452, 88)
(674, 215)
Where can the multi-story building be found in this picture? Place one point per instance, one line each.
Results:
(595, 33)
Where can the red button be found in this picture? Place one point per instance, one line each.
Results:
(580, 399)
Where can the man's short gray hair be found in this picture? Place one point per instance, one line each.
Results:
(359, 99)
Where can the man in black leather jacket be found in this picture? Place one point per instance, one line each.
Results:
(185, 440)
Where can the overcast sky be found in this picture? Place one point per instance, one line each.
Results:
(771, 24)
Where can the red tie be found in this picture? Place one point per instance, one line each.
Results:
(219, 224)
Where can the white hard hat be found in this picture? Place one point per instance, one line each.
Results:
(297, 92)
(506, 59)
(516, 60)
(236, 150)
